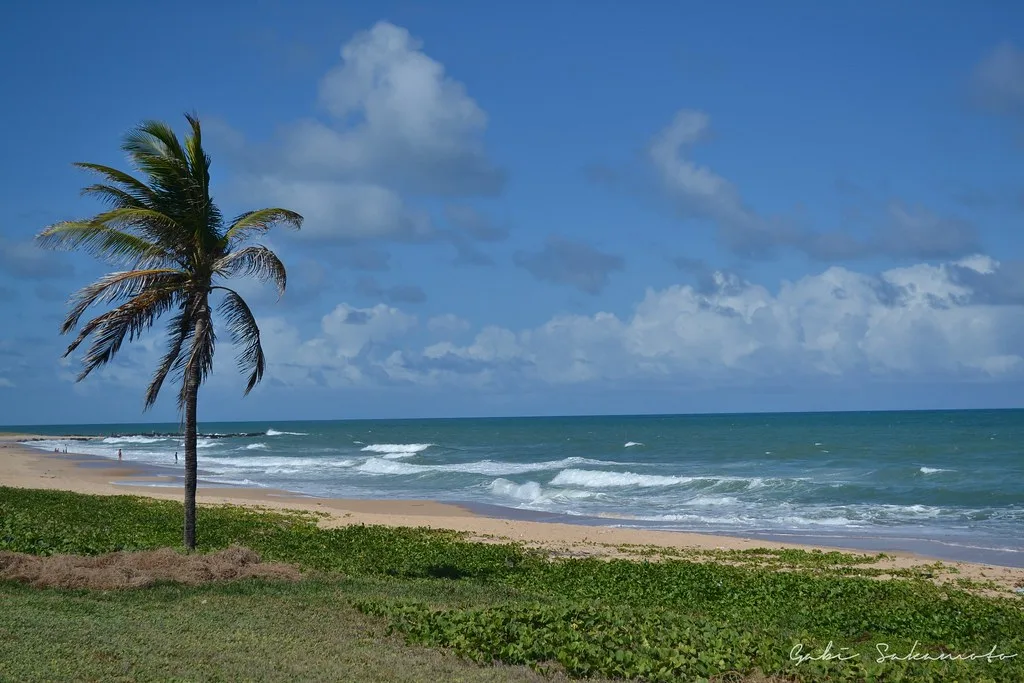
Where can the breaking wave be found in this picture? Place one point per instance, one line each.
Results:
(491, 468)
(396, 450)
(134, 439)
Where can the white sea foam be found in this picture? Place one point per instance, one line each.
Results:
(601, 479)
(491, 468)
(135, 439)
(256, 447)
(238, 482)
(530, 491)
(533, 493)
(712, 500)
(381, 466)
(630, 444)
(748, 521)
(272, 465)
(274, 432)
(396, 450)
(933, 470)
(606, 479)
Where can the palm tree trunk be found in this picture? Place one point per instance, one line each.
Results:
(192, 381)
(191, 402)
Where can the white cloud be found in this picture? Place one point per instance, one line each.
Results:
(395, 124)
(698, 192)
(409, 111)
(349, 211)
(332, 357)
(6, 383)
(919, 322)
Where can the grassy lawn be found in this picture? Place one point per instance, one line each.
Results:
(373, 595)
(249, 630)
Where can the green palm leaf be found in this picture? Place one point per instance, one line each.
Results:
(162, 223)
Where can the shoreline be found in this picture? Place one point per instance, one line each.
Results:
(25, 467)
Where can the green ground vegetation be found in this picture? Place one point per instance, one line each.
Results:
(373, 595)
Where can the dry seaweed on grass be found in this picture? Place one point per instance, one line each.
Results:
(139, 569)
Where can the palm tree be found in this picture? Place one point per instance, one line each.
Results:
(172, 239)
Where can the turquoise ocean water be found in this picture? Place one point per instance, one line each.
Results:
(955, 479)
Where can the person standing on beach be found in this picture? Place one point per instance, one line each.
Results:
(118, 453)
(175, 457)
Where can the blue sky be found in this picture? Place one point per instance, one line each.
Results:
(550, 208)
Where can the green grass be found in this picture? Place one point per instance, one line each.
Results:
(667, 620)
(243, 631)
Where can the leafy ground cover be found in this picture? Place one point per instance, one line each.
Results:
(667, 620)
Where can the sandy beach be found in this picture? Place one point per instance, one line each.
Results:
(23, 466)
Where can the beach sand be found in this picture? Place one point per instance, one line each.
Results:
(21, 466)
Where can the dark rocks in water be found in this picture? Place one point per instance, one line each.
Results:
(62, 438)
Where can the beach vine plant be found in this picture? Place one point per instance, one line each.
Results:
(175, 247)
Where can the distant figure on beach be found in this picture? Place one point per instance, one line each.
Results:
(175, 457)
(118, 453)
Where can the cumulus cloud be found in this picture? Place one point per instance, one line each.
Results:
(396, 124)
(416, 123)
(350, 348)
(346, 211)
(998, 81)
(697, 192)
(923, 321)
(564, 262)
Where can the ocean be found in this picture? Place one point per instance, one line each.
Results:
(948, 483)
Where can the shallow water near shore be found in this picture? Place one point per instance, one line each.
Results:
(947, 484)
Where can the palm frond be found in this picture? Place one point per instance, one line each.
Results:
(154, 139)
(103, 241)
(162, 222)
(160, 227)
(199, 361)
(256, 261)
(121, 285)
(128, 182)
(113, 196)
(259, 222)
(129, 320)
(179, 330)
(246, 333)
(198, 160)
